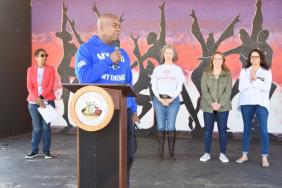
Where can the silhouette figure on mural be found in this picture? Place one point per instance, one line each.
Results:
(144, 79)
(257, 39)
(263, 46)
(97, 12)
(154, 42)
(209, 47)
(76, 34)
(64, 69)
(152, 54)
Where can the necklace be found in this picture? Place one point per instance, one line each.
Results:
(216, 74)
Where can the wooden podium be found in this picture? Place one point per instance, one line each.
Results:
(102, 154)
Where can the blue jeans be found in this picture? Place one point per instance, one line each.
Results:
(248, 112)
(166, 115)
(221, 119)
(39, 127)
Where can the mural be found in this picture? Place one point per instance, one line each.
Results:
(196, 28)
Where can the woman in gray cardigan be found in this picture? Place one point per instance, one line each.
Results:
(216, 85)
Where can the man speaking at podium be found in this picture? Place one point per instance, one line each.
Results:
(100, 60)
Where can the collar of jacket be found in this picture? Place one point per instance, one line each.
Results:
(222, 73)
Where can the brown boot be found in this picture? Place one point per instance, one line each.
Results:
(160, 139)
(171, 143)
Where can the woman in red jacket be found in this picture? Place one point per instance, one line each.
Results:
(40, 82)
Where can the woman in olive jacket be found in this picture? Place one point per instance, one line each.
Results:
(216, 86)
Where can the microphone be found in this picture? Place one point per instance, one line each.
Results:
(116, 44)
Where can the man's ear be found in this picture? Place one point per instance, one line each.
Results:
(100, 27)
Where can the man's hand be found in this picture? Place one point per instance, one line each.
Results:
(115, 56)
(135, 118)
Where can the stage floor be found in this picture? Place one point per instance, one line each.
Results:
(147, 172)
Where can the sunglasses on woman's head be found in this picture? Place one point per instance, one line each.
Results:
(43, 55)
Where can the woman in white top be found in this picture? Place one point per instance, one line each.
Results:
(167, 82)
(254, 86)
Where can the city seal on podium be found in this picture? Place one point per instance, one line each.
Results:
(92, 108)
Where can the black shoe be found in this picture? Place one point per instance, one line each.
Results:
(47, 155)
(31, 155)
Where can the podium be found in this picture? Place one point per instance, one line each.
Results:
(102, 154)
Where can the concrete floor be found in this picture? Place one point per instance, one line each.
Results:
(147, 172)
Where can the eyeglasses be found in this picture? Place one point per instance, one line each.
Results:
(255, 57)
(43, 55)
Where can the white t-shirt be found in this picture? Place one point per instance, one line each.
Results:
(255, 92)
(167, 80)
(40, 73)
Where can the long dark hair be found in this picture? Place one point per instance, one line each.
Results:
(263, 63)
(224, 66)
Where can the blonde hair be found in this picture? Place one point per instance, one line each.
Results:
(168, 46)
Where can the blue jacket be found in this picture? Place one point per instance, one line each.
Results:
(94, 65)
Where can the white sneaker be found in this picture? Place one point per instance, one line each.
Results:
(223, 158)
(205, 157)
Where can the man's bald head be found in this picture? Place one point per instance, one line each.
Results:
(108, 28)
(106, 19)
